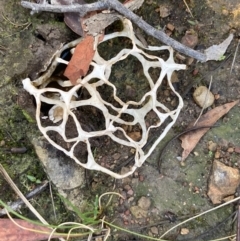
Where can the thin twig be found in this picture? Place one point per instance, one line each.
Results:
(115, 5)
(234, 58)
(188, 8)
(54, 209)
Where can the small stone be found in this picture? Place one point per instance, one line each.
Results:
(195, 72)
(136, 135)
(154, 230)
(130, 199)
(141, 178)
(166, 93)
(225, 12)
(216, 96)
(237, 149)
(170, 26)
(196, 153)
(2, 143)
(184, 231)
(230, 150)
(217, 155)
(189, 60)
(164, 11)
(127, 212)
(137, 212)
(223, 182)
(130, 192)
(135, 181)
(125, 180)
(212, 146)
(174, 102)
(174, 78)
(127, 187)
(132, 150)
(190, 39)
(179, 158)
(98, 239)
(144, 203)
(203, 97)
(116, 156)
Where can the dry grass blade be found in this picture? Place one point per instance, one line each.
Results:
(188, 8)
(234, 58)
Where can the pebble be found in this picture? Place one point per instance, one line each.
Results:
(130, 192)
(200, 94)
(212, 146)
(184, 231)
(217, 155)
(127, 187)
(154, 230)
(2, 143)
(144, 203)
(230, 149)
(224, 181)
(170, 26)
(237, 149)
(141, 178)
(116, 156)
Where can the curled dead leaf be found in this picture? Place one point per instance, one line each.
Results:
(190, 140)
(81, 59)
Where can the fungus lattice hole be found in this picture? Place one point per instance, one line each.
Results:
(90, 118)
(71, 128)
(107, 92)
(114, 46)
(80, 152)
(131, 86)
(59, 140)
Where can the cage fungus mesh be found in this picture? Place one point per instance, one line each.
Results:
(65, 102)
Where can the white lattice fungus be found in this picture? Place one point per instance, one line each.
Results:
(66, 104)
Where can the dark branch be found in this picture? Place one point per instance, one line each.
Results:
(117, 6)
(74, 8)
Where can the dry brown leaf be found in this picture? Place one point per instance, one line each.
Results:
(190, 140)
(11, 232)
(72, 20)
(81, 59)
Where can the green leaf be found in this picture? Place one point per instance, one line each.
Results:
(191, 22)
(31, 178)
